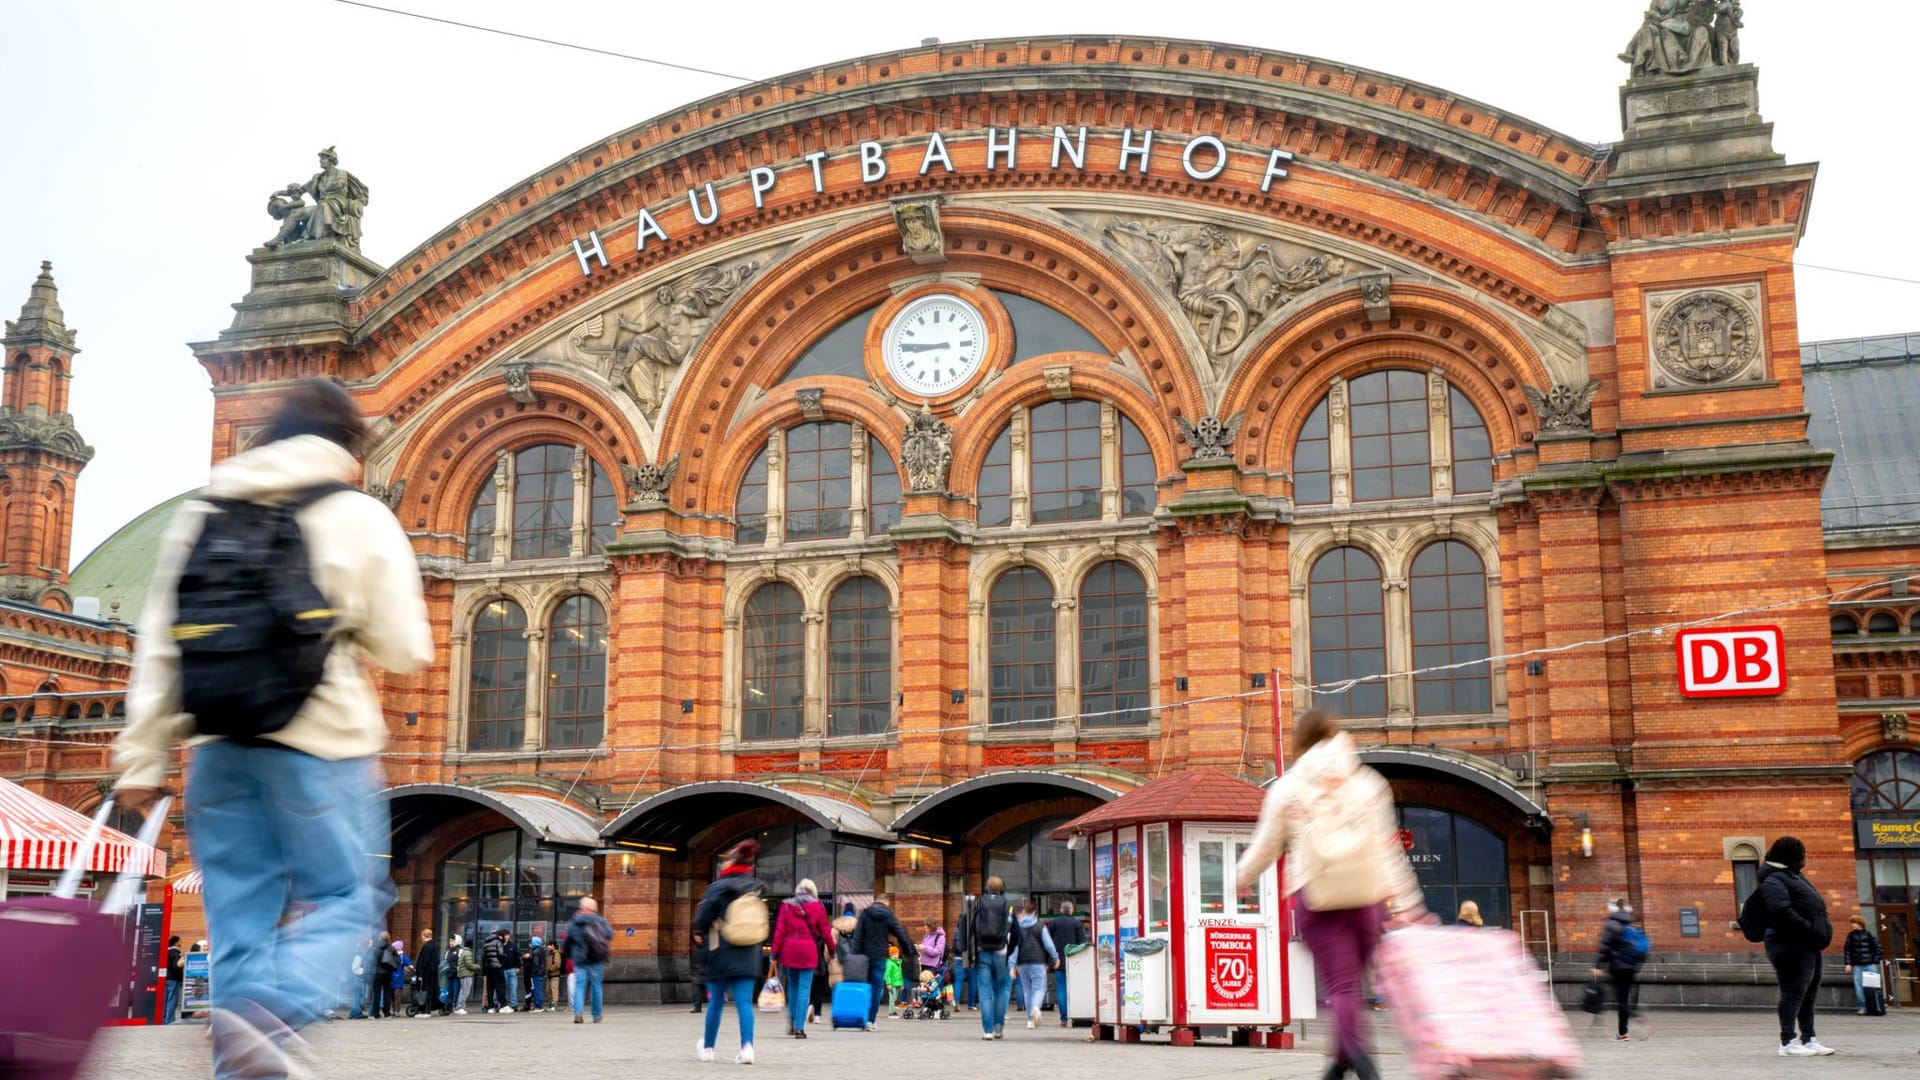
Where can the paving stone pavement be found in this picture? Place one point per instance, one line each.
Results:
(660, 1041)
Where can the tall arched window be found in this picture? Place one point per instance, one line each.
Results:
(481, 521)
(603, 510)
(1312, 460)
(995, 489)
(542, 493)
(1113, 646)
(1137, 474)
(1392, 451)
(817, 478)
(1348, 631)
(750, 509)
(1020, 649)
(1387, 433)
(859, 659)
(883, 487)
(819, 466)
(577, 674)
(1065, 468)
(497, 682)
(1064, 441)
(1448, 589)
(1472, 448)
(773, 653)
(543, 502)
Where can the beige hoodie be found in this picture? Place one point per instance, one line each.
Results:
(363, 564)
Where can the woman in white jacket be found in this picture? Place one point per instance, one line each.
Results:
(1334, 819)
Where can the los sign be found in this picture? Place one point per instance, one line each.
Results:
(1732, 661)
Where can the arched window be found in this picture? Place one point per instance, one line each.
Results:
(750, 509)
(859, 659)
(1064, 442)
(1392, 456)
(995, 489)
(1844, 625)
(603, 509)
(543, 502)
(1458, 859)
(1472, 447)
(73, 712)
(773, 653)
(1137, 474)
(481, 521)
(507, 881)
(497, 683)
(883, 488)
(1881, 622)
(840, 351)
(9, 715)
(819, 488)
(577, 674)
(1888, 780)
(1113, 646)
(1312, 460)
(1347, 627)
(1448, 589)
(1020, 649)
(1036, 866)
(790, 854)
(96, 711)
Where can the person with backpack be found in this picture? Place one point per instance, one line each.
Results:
(1862, 955)
(731, 924)
(1334, 819)
(1623, 951)
(386, 966)
(465, 968)
(800, 933)
(272, 595)
(494, 957)
(589, 938)
(874, 936)
(1788, 915)
(533, 973)
(989, 934)
(1034, 955)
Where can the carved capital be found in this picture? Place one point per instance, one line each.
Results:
(1376, 293)
(520, 383)
(1059, 381)
(809, 401)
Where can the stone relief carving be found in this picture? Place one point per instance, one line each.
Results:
(1563, 407)
(1211, 438)
(919, 223)
(1376, 293)
(650, 482)
(339, 201)
(389, 494)
(1059, 381)
(1704, 338)
(1226, 284)
(1681, 37)
(1893, 727)
(926, 451)
(520, 383)
(811, 403)
(22, 430)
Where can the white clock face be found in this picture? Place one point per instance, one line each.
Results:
(935, 345)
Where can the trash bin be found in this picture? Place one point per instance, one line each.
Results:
(1146, 975)
(1080, 1002)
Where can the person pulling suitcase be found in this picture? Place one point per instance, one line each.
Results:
(1863, 964)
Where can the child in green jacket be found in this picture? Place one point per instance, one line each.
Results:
(895, 979)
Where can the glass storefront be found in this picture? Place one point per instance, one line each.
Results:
(505, 881)
(790, 854)
(1035, 865)
(1458, 859)
(1886, 841)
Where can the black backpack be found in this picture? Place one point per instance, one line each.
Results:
(992, 923)
(1753, 917)
(252, 628)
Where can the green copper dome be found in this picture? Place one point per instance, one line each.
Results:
(121, 569)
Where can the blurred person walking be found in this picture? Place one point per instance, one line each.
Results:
(989, 934)
(1035, 956)
(1334, 819)
(873, 934)
(800, 937)
(731, 924)
(1797, 932)
(271, 596)
(1623, 951)
(589, 939)
(1066, 931)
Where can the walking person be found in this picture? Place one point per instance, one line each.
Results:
(1798, 931)
(176, 971)
(282, 804)
(589, 939)
(1035, 955)
(874, 935)
(1328, 801)
(397, 982)
(1623, 950)
(727, 927)
(493, 969)
(427, 963)
(964, 995)
(465, 968)
(800, 936)
(1066, 931)
(1862, 955)
(989, 935)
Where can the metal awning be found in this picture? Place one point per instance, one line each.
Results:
(1388, 758)
(673, 817)
(418, 808)
(957, 808)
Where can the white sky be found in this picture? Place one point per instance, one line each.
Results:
(140, 139)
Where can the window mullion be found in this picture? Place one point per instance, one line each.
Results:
(1339, 444)
(582, 503)
(776, 488)
(1018, 482)
(858, 472)
(1440, 435)
(503, 508)
(813, 673)
(536, 695)
(1066, 651)
(1109, 462)
(1399, 633)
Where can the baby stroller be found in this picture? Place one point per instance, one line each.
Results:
(417, 994)
(932, 999)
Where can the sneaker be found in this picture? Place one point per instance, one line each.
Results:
(578, 1019)
(1623, 1038)
(745, 1056)
(873, 1027)
(999, 1033)
(597, 1019)
(242, 1049)
(1029, 1025)
(1794, 1049)
(706, 1053)
(1813, 1047)
(987, 1035)
(508, 1009)
(489, 1013)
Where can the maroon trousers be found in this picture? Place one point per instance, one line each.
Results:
(1342, 943)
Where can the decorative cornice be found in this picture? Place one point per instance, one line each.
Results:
(53, 434)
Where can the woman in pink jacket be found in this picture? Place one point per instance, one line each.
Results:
(933, 946)
(798, 935)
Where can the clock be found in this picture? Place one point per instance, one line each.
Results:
(935, 344)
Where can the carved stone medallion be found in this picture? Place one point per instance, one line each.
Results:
(1211, 438)
(1706, 338)
(919, 224)
(926, 451)
(650, 482)
(1564, 408)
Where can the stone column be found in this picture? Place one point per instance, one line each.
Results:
(1440, 434)
(502, 508)
(1066, 665)
(536, 733)
(813, 666)
(730, 679)
(1109, 461)
(1397, 606)
(860, 471)
(776, 487)
(1339, 447)
(458, 658)
(577, 545)
(1019, 482)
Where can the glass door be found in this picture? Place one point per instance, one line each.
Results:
(1898, 934)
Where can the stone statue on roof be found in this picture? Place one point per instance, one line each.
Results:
(1681, 37)
(339, 200)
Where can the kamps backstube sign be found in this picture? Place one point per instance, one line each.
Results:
(1732, 661)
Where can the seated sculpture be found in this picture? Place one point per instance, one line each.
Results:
(339, 200)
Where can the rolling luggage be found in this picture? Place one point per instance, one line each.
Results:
(77, 953)
(1470, 1004)
(1871, 990)
(851, 1001)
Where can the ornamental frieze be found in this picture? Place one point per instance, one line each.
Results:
(1705, 339)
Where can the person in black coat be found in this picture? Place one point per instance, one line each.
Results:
(1066, 931)
(697, 964)
(1797, 932)
(1862, 955)
(874, 933)
(731, 969)
(427, 963)
(1617, 963)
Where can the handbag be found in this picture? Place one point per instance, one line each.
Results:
(773, 996)
(1870, 979)
(1593, 998)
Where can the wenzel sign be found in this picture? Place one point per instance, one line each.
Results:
(1203, 157)
(1734, 661)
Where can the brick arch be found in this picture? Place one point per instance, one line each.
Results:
(974, 434)
(1479, 354)
(841, 399)
(812, 290)
(446, 460)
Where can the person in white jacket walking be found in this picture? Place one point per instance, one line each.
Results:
(1334, 819)
(287, 827)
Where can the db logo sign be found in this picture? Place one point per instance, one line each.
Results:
(1738, 661)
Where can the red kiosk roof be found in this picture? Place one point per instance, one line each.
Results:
(1194, 795)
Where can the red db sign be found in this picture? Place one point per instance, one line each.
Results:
(1736, 661)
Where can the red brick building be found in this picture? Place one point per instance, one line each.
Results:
(899, 457)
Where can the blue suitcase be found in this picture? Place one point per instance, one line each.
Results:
(850, 1004)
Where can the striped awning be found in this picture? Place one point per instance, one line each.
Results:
(188, 882)
(39, 834)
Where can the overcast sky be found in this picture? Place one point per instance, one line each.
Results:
(142, 138)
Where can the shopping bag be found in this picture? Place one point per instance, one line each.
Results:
(1593, 998)
(773, 996)
(1870, 979)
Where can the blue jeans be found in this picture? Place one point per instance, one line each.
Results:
(1033, 984)
(588, 983)
(742, 991)
(991, 973)
(799, 984)
(1060, 992)
(1859, 990)
(877, 981)
(537, 990)
(271, 828)
(513, 988)
(962, 986)
(170, 1010)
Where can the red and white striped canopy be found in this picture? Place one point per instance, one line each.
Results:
(189, 882)
(40, 834)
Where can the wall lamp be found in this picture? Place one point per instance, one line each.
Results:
(626, 864)
(1586, 835)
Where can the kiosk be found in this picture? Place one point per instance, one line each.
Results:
(1176, 946)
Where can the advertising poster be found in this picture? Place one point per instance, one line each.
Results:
(1128, 875)
(1232, 967)
(196, 983)
(1103, 881)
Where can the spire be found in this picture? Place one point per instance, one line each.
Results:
(41, 321)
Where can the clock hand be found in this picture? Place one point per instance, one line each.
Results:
(925, 348)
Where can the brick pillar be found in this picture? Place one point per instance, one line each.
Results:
(1212, 518)
(933, 646)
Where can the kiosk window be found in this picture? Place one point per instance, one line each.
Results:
(1159, 899)
(1213, 877)
(1247, 900)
